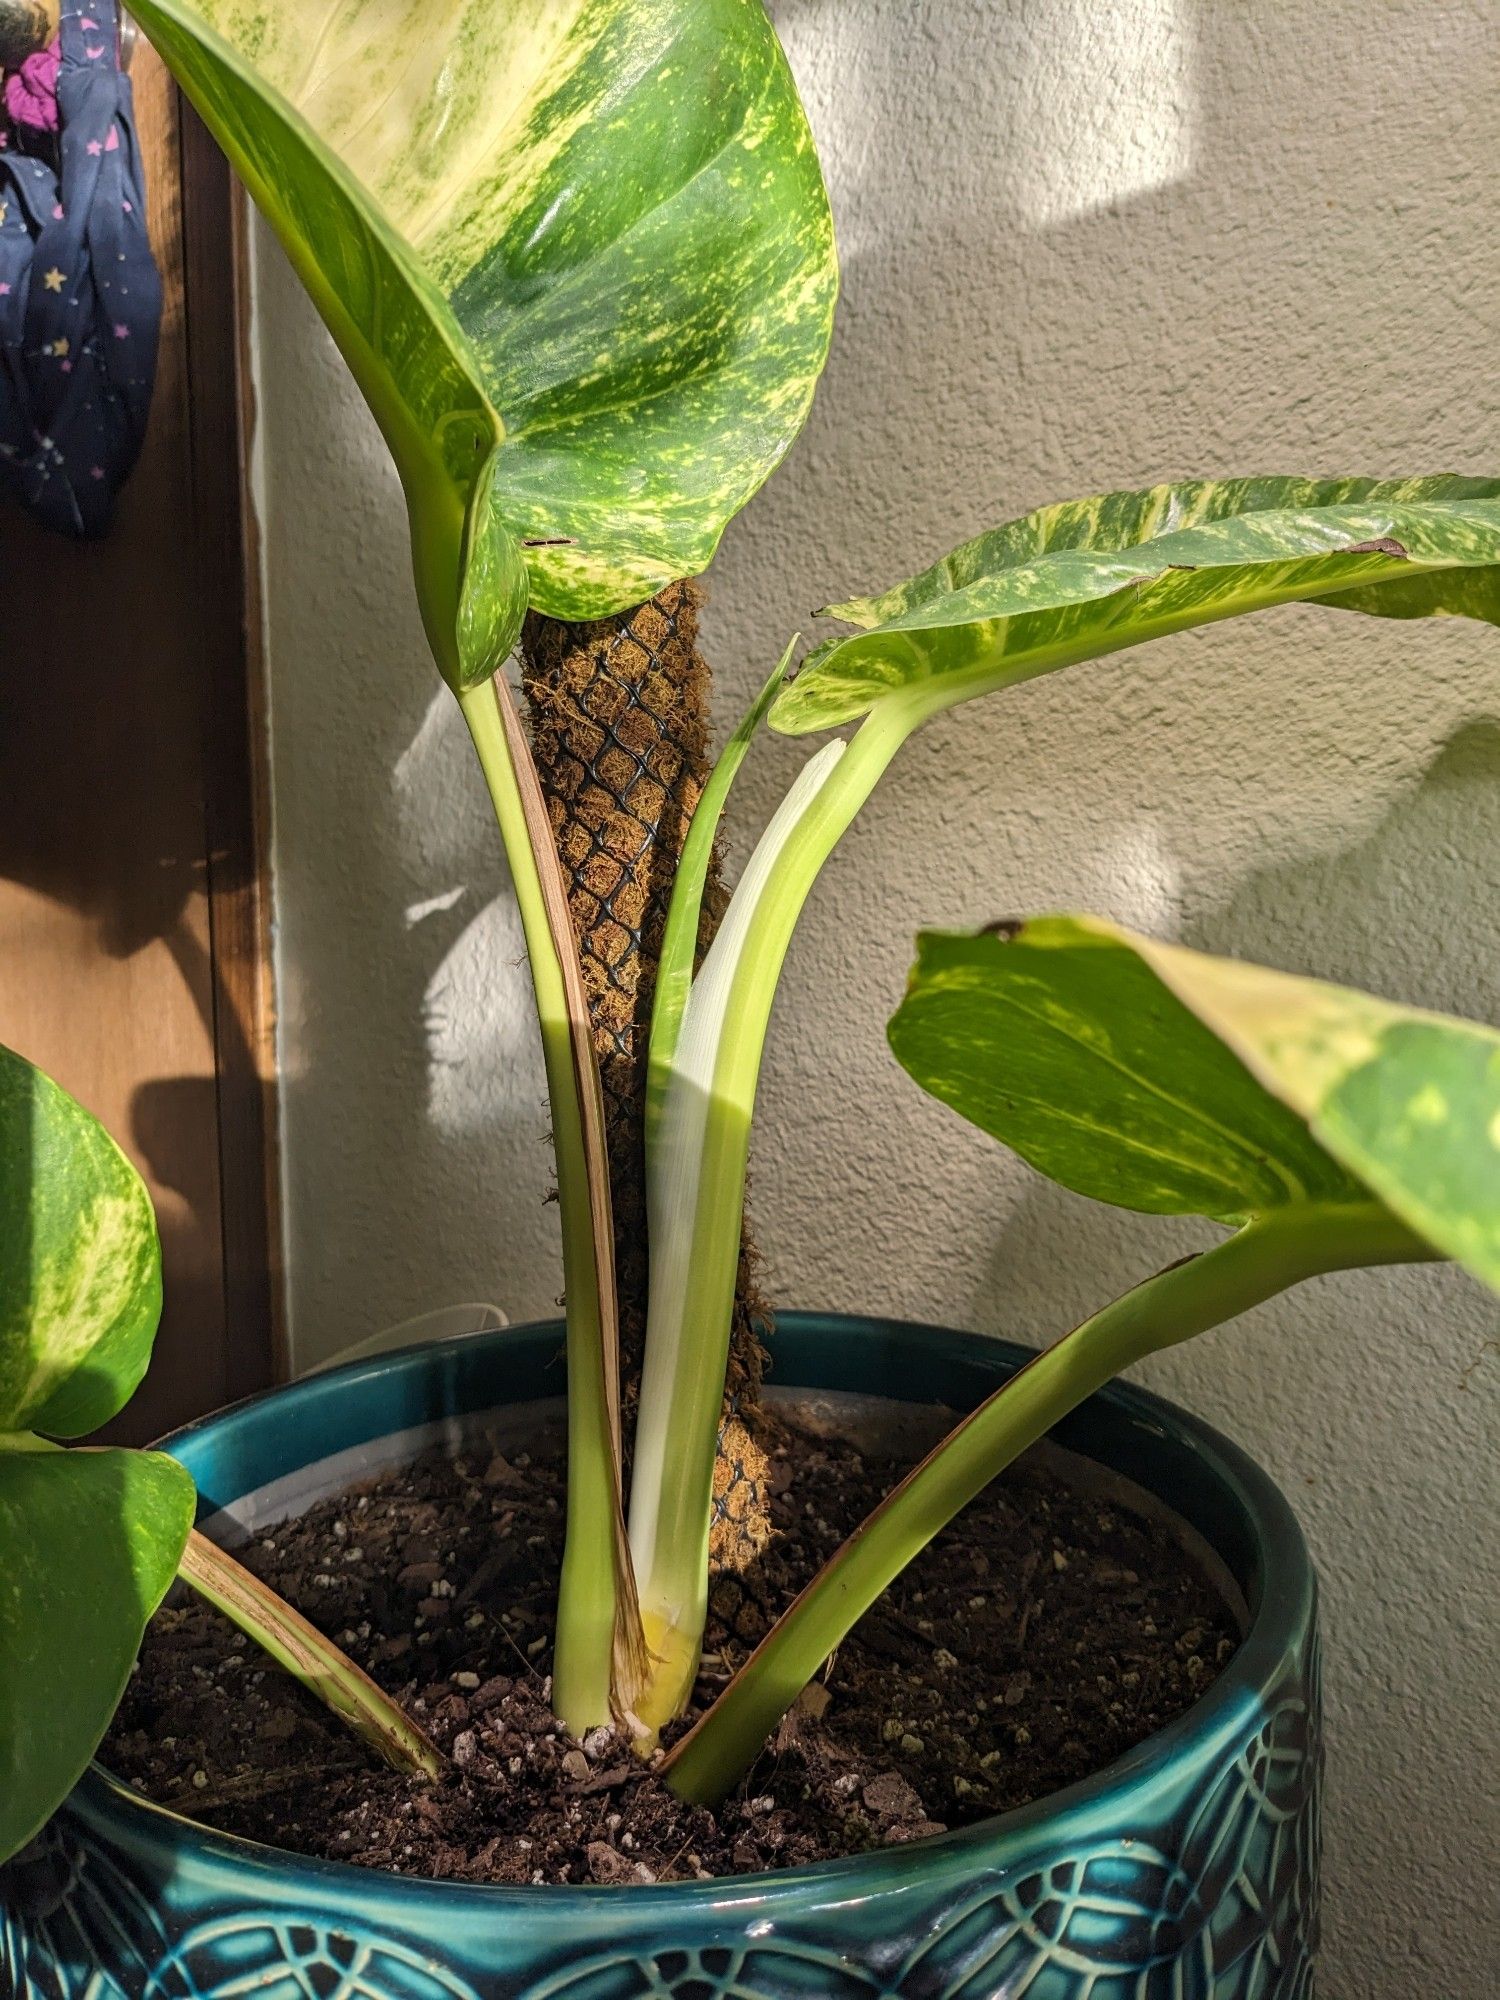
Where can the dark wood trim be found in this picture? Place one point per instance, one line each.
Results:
(134, 935)
(237, 801)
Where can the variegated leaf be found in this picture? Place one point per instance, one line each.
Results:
(80, 1265)
(1163, 1079)
(1056, 1037)
(1089, 577)
(1407, 1100)
(591, 233)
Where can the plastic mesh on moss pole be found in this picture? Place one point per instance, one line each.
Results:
(619, 720)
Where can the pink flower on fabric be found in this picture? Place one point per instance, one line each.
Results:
(31, 91)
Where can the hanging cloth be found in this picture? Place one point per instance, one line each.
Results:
(80, 296)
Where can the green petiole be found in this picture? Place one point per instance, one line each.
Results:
(679, 945)
(1266, 1256)
(287, 1637)
(598, 1655)
(696, 1167)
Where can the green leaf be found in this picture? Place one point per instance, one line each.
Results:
(1409, 1101)
(593, 229)
(1088, 577)
(89, 1542)
(1057, 1037)
(80, 1265)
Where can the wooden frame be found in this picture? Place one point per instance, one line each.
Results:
(134, 900)
(221, 417)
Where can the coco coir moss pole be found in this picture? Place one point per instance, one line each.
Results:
(619, 711)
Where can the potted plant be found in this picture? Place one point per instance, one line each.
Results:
(581, 264)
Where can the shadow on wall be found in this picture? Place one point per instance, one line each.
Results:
(1079, 253)
(1340, 915)
(1350, 915)
(1085, 246)
(416, 1158)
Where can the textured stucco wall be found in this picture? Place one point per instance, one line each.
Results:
(1085, 244)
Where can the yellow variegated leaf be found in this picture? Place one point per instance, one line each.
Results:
(1089, 577)
(1057, 1037)
(591, 232)
(89, 1540)
(80, 1265)
(1407, 1100)
(1163, 1079)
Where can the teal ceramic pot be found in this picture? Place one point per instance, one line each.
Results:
(1186, 1871)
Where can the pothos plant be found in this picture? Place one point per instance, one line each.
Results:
(91, 1537)
(89, 1540)
(579, 258)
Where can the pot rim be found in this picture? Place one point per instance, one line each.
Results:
(1281, 1595)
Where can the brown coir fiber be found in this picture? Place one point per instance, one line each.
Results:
(619, 723)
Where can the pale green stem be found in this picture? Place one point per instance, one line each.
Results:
(287, 1637)
(692, 1284)
(588, 1599)
(679, 946)
(1263, 1258)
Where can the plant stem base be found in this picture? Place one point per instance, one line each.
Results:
(620, 722)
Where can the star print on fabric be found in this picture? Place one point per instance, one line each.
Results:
(74, 257)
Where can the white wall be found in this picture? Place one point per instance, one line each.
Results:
(1086, 243)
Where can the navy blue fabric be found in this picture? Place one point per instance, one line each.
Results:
(80, 295)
